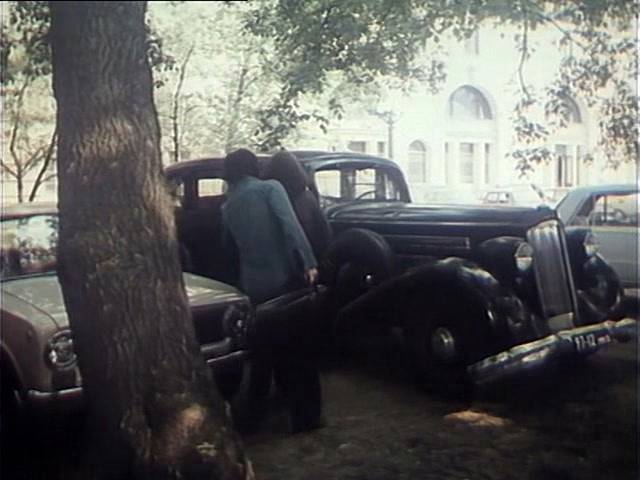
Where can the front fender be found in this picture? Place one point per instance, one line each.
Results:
(463, 286)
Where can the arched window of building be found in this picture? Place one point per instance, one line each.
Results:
(468, 103)
(572, 110)
(571, 150)
(418, 167)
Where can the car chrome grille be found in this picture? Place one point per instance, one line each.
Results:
(553, 274)
(428, 244)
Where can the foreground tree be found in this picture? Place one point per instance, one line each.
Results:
(154, 411)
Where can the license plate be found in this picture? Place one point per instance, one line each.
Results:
(588, 342)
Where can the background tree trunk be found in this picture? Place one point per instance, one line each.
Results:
(153, 409)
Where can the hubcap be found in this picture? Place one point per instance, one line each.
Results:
(443, 343)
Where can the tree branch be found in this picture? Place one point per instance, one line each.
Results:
(45, 165)
(524, 51)
(7, 169)
(16, 123)
(568, 35)
(34, 158)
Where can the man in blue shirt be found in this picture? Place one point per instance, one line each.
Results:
(275, 255)
(275, 258)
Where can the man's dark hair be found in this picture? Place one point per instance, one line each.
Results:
(240, 163)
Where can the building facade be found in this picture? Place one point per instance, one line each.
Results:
(455, 145)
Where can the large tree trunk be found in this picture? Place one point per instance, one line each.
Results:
(153, 407)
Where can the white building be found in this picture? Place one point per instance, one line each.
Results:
(454, 145)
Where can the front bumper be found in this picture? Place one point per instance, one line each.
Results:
(581, 340)
(57, 402)
(69, 400)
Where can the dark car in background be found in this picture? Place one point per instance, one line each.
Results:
(480, 292)
(38, 365)
(611, 212)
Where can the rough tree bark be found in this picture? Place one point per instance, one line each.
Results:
(154, 411)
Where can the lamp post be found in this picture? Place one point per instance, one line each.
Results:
(389, 117)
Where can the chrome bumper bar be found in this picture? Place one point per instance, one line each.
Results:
(70, 399)
(581, 340)
(58, 401)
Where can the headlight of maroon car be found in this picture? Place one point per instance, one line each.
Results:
(236, 321)
(59, 353)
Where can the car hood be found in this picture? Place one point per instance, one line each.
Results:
(39, 298)
(400, 212)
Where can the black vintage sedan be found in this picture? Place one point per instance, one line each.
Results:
(480, 292)
(37, 361)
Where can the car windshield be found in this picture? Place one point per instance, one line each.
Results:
(356, 183)
(29, 245)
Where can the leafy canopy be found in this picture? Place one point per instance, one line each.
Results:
(369, 39)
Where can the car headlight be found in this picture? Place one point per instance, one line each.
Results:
(591, 244)
(235, 320)
(60, 354)
(523, 257)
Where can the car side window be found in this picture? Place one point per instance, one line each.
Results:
(615, 211)
(209, 187)
(355, 184)
(29, 245)
(328, 183)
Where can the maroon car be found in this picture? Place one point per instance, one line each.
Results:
(37, 359)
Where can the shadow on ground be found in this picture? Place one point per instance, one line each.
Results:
(571, 422)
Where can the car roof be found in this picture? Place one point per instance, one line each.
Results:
(306, 157)
(19, 210)
(611, 188)
(317, 156)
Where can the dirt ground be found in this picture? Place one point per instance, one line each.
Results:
(568, 423)
(574, 421)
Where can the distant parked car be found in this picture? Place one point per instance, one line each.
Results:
(449, 196)
(514, 196)
(611, 211)
(37, 361)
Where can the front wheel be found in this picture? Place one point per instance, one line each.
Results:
(441, 348)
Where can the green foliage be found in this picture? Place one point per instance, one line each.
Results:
(363, 40)
(260, 71)
(207, 103)
(25, 44)
(599, 67)
(29, 114)
(25, 48)
(369, 39)
(29, 117)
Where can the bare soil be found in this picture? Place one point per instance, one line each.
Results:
(571, 421)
